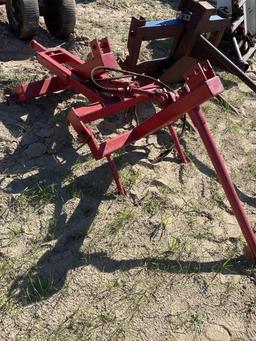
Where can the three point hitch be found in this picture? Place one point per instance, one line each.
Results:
(110, 95)
(194, 35)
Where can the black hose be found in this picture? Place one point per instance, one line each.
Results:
(125, 72)
(138, 75)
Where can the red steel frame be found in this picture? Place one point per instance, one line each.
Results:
(201, 85)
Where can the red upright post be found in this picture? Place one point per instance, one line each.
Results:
(178, 146)
(121, 189)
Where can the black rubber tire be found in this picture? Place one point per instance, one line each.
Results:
(23, 17)
(60, 17)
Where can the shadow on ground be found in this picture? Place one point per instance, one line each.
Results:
(237, 266)
(210, 172)
(203, 168)
(50, 273)
(91, 189)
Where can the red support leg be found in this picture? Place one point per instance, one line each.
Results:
(178, 146)
(121, 189)
(199, 120)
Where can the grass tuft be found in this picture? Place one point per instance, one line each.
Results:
(41, 194)
(38, 288)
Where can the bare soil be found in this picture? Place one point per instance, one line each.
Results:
(78, 262)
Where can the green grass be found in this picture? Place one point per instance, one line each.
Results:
(14, 232)
(232, 127)
(229, 290)
(123, 218)
(175, 245)
(156, 204)
(7, 269)
(6, 302)
(107, 317)
(78, 190)
(52, 228)
(41, 194)
(251, 169)
(130, 176)
(82, 323)
(38, 288)
(196, 321)
(190, 320)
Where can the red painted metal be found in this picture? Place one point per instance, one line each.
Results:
(119, 95)
(178, 146)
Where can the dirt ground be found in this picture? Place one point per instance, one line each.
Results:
(78, 262)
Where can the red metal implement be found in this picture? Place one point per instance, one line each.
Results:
(111, 95)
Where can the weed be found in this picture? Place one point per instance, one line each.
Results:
(218, 197)
(165, 191)
(164, 221)
(12, 234)
(252, 169)
(226, 264)
(175, 245)
(130, 176)
(229, 289)
(231, 286)
(122, 217)
(231, 127)
(41, 194)
(78, 190)
(191, 320)
(196, 322)
(193, 210)
(81, 163)
(38, 288)
(52, 227)
(107, 318)
(120, 156)
(81, 323)
(16, 231)
(6, 301)
(225, 104)
(156, 204)
(78, 164)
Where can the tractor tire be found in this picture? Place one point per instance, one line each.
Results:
(60, 17)
(23, 17)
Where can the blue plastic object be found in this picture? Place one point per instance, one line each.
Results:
(163, 23)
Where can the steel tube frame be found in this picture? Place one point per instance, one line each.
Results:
(188, 44)
(201, 85)
(225, 62)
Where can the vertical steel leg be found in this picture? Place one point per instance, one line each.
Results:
(115, 174)
(199, 120)
(178, 146)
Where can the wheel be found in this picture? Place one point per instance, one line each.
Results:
(60, 17)
(23, 17)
